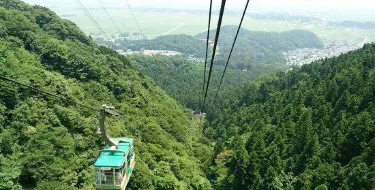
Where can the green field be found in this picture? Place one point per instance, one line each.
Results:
(162, 23)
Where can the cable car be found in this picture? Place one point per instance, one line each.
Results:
(116, 162)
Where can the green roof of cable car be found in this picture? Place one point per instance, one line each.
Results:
(114, 159)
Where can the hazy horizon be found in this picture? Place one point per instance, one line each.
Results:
(231, 4)
(194, 22)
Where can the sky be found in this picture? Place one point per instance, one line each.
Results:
(200, 4)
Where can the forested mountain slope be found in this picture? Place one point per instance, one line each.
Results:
(46, 142)
(183, 79)
(309, 128)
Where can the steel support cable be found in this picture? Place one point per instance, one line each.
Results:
(138, 25)
(214, 49)
(207, 41)
(131, 11)
(90, 17)
(110, 17)
(79, 5)
(231, 50)
(47, 93)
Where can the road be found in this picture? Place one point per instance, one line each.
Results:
(180, 25)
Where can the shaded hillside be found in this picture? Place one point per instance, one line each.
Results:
(183, 79)
(309, 128)
(46, 142)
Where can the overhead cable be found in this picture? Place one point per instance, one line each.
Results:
(214, 49)
(139, 26)
(131, 11)
(234, 42)
(47, 93)
(207, 42)
(91, 17)
(110, 17)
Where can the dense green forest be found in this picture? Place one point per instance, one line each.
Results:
(183, 79)
(308, 128)
(254, 50)
(50, 144)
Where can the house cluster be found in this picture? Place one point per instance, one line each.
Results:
(161, 52)
(102, 37)
(116, 37)
(149, 52)
(332, 48)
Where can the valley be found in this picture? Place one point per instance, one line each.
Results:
(295, 109)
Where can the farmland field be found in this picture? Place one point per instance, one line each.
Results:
(156, 22)
(188, 23)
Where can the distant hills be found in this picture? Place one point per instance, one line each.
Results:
(353, 24)
(257, 49)
(254, 50)
(308, 19)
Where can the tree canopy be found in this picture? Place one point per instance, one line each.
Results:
(308, 128)
(47, 143)
(311, 127)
